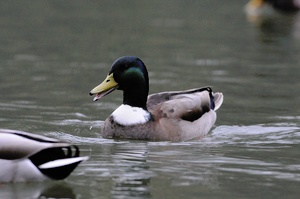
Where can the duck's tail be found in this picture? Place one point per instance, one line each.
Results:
(218, 100)
(57, 162)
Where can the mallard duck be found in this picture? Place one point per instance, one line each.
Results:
(165, 116)
(257, 7)
(28, 157)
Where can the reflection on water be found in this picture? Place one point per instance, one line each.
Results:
(52, 52)
(131, 176)
(37, 190)
(255, 154)
(120, 168)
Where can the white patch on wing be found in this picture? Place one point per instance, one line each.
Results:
(128, 115)
(62, 162)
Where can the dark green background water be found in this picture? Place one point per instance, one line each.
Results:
(52, 53)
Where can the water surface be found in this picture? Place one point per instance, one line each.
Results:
(53, 52)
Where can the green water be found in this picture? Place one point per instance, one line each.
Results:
(53, 53)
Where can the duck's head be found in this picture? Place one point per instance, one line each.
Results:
(288, 6)
(256, 3)
(130, 75)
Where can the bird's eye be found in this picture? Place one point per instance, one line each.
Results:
(108, 80)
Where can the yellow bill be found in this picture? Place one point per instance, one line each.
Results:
(106, 87)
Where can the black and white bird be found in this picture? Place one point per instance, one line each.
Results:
(28, 157)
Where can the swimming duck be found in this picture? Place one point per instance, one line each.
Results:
(258, 7)
(165, 116)
(28, 157)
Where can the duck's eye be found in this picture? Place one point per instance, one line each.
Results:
(108, 80)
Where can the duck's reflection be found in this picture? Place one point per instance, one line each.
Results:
(36, 190)
(131, 174)
(140, 167)
(58, 190)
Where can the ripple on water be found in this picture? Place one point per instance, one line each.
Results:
(265, 152)
(280, 133)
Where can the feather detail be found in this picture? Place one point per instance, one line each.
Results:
(29, 157)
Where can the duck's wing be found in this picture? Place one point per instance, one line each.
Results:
(187, 105)
(184, 115)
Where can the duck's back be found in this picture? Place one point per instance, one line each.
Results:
(185, 115)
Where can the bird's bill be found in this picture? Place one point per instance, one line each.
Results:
(107, 86)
